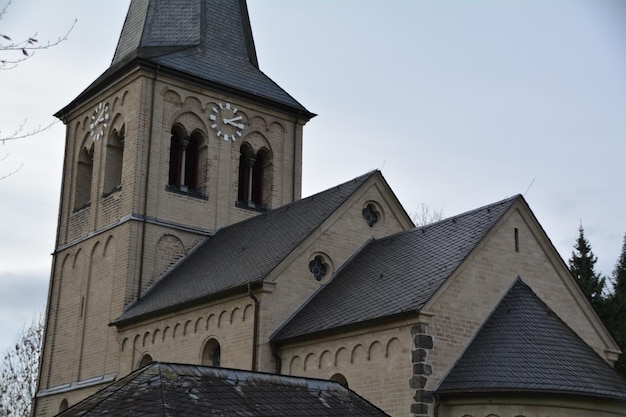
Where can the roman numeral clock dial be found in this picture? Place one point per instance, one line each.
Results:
(226, 122)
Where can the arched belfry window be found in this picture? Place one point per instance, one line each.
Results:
(84, 175)
(114, 159)
(184, 172)
(211, 353)
(255, 177)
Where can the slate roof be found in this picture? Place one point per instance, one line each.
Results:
(525, 346)
(210, 40)
(243, 253)
(395, 275)
(172, 390)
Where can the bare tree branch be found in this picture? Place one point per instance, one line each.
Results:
(425, 215)
(25, 47)
(19, 369)
(21, 132)
(15, 171)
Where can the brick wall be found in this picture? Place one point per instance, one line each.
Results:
(376, 364)
(336, 240)
(105, 256)
(474, 291)
(181, 337)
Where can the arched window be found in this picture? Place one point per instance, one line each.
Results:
(114, 159)
(64, 405)
(184, 160)
(211, 354)
(340, 379)
(84, 174)
(146, 359)
(255, 179)
(246, 162)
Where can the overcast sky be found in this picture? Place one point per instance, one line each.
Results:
(459, 103)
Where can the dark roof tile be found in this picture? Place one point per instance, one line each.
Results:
(209, 40)
(165, 389)
(238, 254)
(394, 275)
(525, 346)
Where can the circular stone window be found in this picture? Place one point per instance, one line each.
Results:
(318, 268)
(371, 215)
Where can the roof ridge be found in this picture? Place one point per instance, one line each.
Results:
(469, 212)
(411, 265)
(162, 389)
(477, 332)
(424, 228)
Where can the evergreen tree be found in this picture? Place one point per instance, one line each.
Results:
(581, 265)
(619, 274)
(617, 309)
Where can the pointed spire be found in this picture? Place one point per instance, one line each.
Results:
(155, 28)
(207, 41)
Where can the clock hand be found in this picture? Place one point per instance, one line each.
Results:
(230, 122)
(234, 119)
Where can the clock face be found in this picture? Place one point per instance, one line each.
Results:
(99, 121)
(226, 122)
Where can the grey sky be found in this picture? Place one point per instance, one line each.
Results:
(459, 103)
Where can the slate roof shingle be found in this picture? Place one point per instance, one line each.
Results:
(209, 40)
(166, 389)
(394, 275)
(525, 346)
(238, 254)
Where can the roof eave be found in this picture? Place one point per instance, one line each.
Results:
(505, 391)
(345, 328)
(123, 68)
(241, 289)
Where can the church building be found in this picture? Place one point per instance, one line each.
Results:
(183, 239)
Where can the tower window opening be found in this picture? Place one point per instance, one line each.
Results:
(184, 160)
(84, 175)
(255, 172)
(114, 159)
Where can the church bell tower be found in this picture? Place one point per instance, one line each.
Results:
(181, 135)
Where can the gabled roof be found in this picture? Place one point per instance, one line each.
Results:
(395, 275)
(241, 254)
(166, 389)
(525, 346)
(210, 41)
